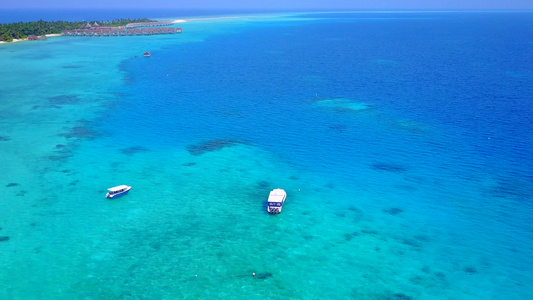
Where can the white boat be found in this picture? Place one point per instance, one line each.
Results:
(147, 54)
(276, 198)
(117, 191)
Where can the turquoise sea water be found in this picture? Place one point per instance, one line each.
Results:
(403, 141)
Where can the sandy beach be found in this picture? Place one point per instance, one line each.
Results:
(14, 41)
(201, 19)
(22, 40)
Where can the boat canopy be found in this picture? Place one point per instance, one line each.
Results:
(277, 195)
(117, 188)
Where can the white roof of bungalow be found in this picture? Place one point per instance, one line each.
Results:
(117, 188)
(277, 195)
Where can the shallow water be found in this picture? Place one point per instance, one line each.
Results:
(403, 142)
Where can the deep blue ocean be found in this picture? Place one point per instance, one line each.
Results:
(403, 139)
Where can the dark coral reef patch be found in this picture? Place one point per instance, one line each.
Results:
(511, 187)
(71, 67)
(387, 167)
(400, 296)
(212, 145)
(392, 211)
(80, 132)
(263, 185)
(349, 236)
(263, 276)
(64, 100)
(133, 150)
(339, 128)
(369, 231)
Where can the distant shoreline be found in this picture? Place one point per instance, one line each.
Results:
(19, 31)
(174, 22)
(26, 39)
(201, 19)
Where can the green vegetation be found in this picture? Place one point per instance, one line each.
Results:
(122, 22)
(22, 30)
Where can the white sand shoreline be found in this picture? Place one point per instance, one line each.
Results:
(26, 39)
(201, 19)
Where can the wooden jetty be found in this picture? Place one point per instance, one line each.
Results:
(149, 24)
(131, 29)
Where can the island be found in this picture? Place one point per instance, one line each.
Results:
(23, 30)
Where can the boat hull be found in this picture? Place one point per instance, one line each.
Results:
(114, 196)
(274, 210)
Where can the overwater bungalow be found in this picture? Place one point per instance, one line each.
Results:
(118, 31)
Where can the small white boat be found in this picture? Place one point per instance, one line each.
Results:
(276, 198)
(117, 191)
(147, 54)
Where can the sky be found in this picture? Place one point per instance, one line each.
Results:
(279, 4)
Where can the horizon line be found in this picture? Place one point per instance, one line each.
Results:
(281, 9)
